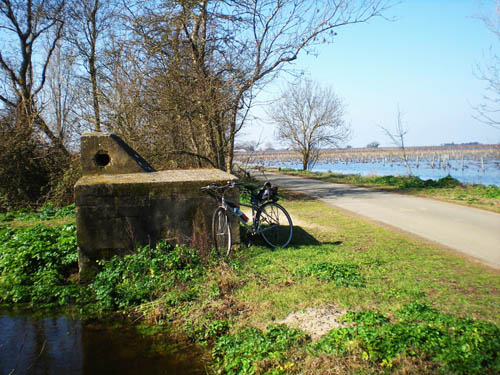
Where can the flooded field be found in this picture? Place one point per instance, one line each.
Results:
(60, 345)
(468, 165)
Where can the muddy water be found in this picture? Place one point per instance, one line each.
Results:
(59, 345)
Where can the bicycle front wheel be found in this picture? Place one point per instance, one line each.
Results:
(274, 224)
(221, 232)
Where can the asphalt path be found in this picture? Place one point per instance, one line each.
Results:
(467, 230)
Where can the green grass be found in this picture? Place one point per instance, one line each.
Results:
(446, 189)
(412, 308)
(395, 267)
(48, 214)
(391, 272)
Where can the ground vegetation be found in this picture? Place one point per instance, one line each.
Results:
(401, 306)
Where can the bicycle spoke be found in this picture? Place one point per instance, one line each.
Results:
(275, 225)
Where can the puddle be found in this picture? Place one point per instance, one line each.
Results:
(60, 345)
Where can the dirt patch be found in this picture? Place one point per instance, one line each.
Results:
(316, 321)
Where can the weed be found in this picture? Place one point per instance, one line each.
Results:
(138, 278)
(392, 327)
(35, 264)
(463, 345)
(342, 274)
(203, 331)
(247, 350)
(336, 341)
(367, 318)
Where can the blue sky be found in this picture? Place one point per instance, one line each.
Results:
(423, 62)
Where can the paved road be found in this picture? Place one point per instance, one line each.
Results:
(467, 230)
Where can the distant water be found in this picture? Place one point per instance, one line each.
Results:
(471, 172)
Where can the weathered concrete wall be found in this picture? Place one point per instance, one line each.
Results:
(117, 212)
(103, 153)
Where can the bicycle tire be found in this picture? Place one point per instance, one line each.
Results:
(221, 232)
(274, 224)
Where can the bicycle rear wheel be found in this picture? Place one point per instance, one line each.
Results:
(221, 232)
(274, 224)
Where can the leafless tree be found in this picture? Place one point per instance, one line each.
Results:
(398, 139)
(272, 34)
(488, 112)
(217, 55)
(24, 60)
(89, 32)
(309, 117)
(59, 97)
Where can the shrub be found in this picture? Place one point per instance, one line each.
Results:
(62, 185)
(28, 164)
(134, 279)
(413, 182)
(35, 264)
(447, 182)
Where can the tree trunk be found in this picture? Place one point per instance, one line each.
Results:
(95, 94)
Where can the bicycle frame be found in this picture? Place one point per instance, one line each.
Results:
(230, 204)
(262, 219)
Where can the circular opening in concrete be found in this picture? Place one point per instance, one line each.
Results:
(101, 159)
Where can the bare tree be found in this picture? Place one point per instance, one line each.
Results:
(221, 53)
(488, 112)
(59, 97)
(309, 117)
(89, 32)
(274, 33)
(24, 24)
(398, 139)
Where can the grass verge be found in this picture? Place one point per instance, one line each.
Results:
(446, 189)
(411, 308)
(48, 214)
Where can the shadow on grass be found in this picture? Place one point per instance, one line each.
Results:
(300, 237)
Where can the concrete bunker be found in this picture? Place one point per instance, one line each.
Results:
(122, 202)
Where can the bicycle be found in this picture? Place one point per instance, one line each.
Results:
(269, 219)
